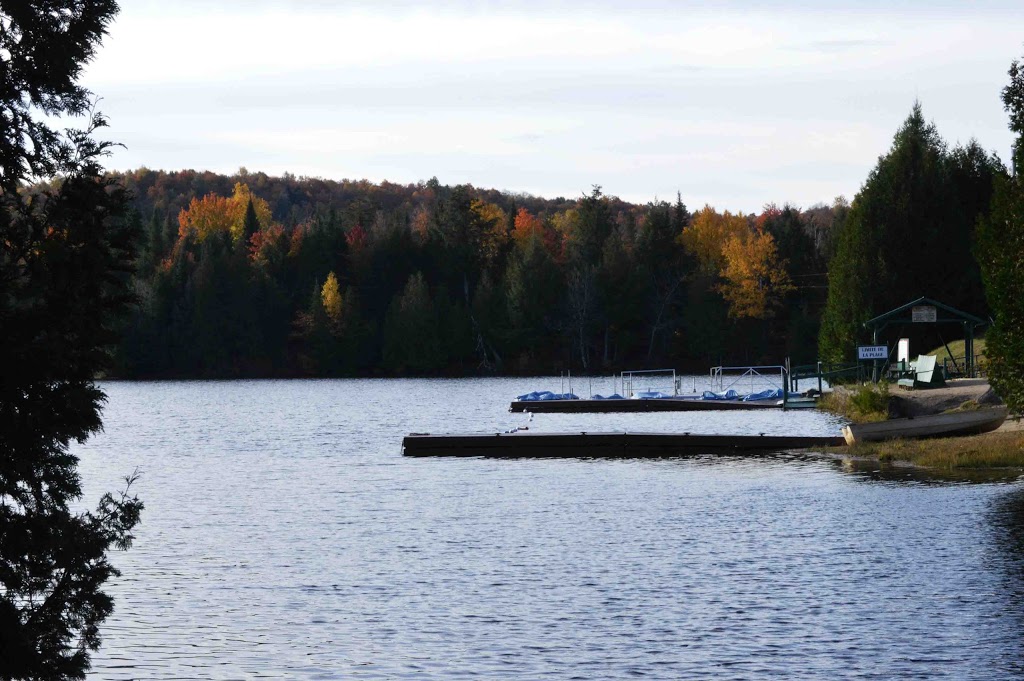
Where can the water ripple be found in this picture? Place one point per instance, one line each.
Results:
(285, 537)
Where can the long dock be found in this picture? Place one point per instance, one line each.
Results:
(603, 444)
(589, 406)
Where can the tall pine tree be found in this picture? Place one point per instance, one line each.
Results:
(1001, 252)
(65, 254)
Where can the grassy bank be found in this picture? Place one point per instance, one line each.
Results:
(991, 450)
(957, 347)
(866, 403)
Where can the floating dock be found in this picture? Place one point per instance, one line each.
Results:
(607, 406)
(603, 444)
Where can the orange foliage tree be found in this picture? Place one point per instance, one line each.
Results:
(527, 226)
(268, 247)
(213, 213)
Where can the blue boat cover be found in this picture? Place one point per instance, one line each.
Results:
(728, 395)
(544, 395)
(613, 396)
(775, 394)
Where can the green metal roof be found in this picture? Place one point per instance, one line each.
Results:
(959, 316)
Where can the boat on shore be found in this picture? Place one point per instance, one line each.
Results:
(936, 425)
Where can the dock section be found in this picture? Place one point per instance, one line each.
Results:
(603, 444)
(608, 406)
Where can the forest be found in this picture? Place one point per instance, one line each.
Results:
(255, 276)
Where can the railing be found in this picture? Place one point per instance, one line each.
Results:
(764, 374)
(956, 367)
(650, 380)
(826, 374)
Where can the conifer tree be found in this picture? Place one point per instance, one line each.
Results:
(412, 337)
(250, 223)
(1001, 253)
(903, 238)
(65, 254)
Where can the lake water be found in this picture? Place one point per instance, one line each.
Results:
(285, 536)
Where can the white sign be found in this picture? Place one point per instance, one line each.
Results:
(872, 352)
(923, 313)
(903, 350)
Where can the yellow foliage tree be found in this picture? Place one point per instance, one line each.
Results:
(706, 235)
(213, 213)
(754, 280)
(494, 223)
(239, 200)
(330, 295)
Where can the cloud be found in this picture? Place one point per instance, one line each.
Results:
(729, 102)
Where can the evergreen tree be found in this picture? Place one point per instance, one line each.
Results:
(66, 250)
(412, 337)
(1001, 252)
(621, 285)
(533, 284)
(904, 237)
(663, 264)
(313, 330)
(250, 223)
(490, 312)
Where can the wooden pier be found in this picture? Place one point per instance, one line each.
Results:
(524, 444)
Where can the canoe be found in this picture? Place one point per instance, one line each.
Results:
(937, 425)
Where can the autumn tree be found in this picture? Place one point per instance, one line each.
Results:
(240, 215)
(206, 216)
(66, 250)
(707, 234)
(754, 279)
(527, 226)
(330, 297)
(493, 224)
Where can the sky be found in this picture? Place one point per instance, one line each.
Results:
(732, 104)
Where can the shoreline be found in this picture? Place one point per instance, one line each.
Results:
(1000, 450)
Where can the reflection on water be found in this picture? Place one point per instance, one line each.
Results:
(903, 473)
(1006, 527)
(1007, 521)
(285, 537)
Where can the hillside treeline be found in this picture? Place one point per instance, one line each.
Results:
(251, 275)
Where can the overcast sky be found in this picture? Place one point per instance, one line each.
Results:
(734, 104)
